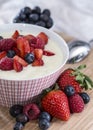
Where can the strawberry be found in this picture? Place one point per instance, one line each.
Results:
(48, 53)
(2, 54)
(20, 60)
(15, 34)
(7, 44)
(6, 63)
(38, 62)
(38, 53)
(76, 103)
(75, 78)
(43, 36)
(17, 66)
(56, 104)
(30, 38)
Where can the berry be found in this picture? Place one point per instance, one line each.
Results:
(22, 16)
(36, 10)
(2, 54)
(76, 103)
(17, 66)
(31, 111)
(47, 12)
(49, 23)
(69, 90)
(34, 17)
(11, 53)
(7, 44)
(44, 124)
(26, 10)
(43, 36)
(48, 53)
(22, 118)
(56, 104)
(41, 23)
(85, 97)
(45, 115)
(15, 110)
(6, 63)
(38, 53)
(38, 62)
(44, 17)
(29, 58)
(18, 126)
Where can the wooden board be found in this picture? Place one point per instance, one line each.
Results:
(81, 121)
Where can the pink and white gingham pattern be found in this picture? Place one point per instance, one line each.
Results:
(21, 92)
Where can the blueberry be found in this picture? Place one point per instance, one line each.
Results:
(85, 97)
(11, 53)
(47, 12)
(34, 17)
(26, 10)
(22, 118)
(17, 20)
(45, 115)
(44, 124)
(16, 110)
(18, 126)
(41, 23)
(29, 57)
(44, 17)
(69, 90)
(36, 10)
(22, 16)
(49, 23)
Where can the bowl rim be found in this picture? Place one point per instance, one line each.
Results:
(45, 30)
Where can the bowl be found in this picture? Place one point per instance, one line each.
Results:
(23, 91)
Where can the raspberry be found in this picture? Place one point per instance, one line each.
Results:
(31, 111)
(7, 44)
(6, 63)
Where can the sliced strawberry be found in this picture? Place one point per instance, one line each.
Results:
(38, 62)
(20, 46)
(15, 35)
(2, 54)
(17, 66)
(26, 46)
(38, 53)
(16, 51)
(20, 60)
(29, 37)
(48, 53)
(43, 36)
(31, 49)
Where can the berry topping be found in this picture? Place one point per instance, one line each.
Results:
(2, 54)
(29, 58)
(69, 90)
(15, 110)
(85, 97)
(43, 36)
(6, 64)
(17, 66)
(38, 62)
(44, 124)
(11, 53)
(31, 111)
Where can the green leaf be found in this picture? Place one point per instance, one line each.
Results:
(81, 67)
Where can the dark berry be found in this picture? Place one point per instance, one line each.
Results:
(69, 90)
(45, 115)
(85, 97)
(36, 10)
(15, 110)
(47, 12)
(22, 16)
(17, 20)
(26, 10)
(22, 118)
(11, 53)
(1, 37)
(33, 17)
(31, 111)
(44, 124)
(44, 17)
(18, 126)
(29, 57)
(41, 23)
(49, 23)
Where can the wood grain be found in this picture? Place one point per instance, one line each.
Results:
(81, 121)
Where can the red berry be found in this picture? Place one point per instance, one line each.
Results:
(31, 111)
(7, 44)
(6, 63)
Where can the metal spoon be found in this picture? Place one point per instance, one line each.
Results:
(78, 50)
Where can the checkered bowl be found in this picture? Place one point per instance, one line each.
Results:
(24, 91)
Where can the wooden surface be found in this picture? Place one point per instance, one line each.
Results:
(81, 121)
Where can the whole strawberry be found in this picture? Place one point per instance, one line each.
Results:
(76, 103)
(56, 104)
(73, 77)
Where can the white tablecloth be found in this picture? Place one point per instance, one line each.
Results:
(74, 17)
